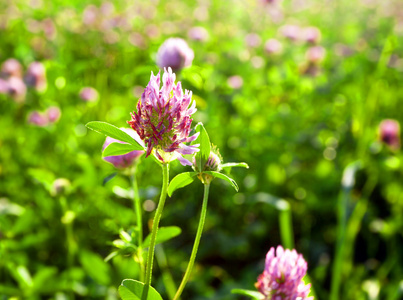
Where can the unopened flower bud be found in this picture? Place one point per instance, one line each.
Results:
(60, 186)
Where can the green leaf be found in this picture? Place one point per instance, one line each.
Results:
(180, 181)
(225, 177)
(253, 294)
(163, 234)
(114, 132)
(131, 290)
(205, 147)
(118, 149)
(231, 165)
(94, 265)
(108, 178)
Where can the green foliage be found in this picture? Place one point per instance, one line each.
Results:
(132, 290)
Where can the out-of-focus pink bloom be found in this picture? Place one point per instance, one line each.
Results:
(270, 1)
(273, 46)
(38, 119)
(291, 32)
(311, 35)
(315, 54)
(107, 8)
(153, 31)
(198, 33)
(90, 15)
(163, 119)
(125, 160)
(253, 40)
(36, 76)
(3, 86)
(343, 50)
(11, 67)
(389, 133)
(49, 28)
(16, 88)
(53, 113)
(89, 94)
(235, 81)
(282, 276)
(137, 40)
(174, 53)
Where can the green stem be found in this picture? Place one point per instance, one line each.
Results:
(137, 208)
(157, 218)
(196, 243)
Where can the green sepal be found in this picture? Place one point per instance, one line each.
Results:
(181, 180)
(205, 147)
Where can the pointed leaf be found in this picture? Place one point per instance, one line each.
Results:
(253, 294)
(164, 234)
(109, 177)
(205, 146)
(132, 290)
(114, 132)
(222, 176)
(118, 149)
(231, 165)
(180, 181)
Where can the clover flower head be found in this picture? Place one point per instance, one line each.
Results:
(163, 119)
(174, 53)
(11, 67)
(125, 160)
(282, 276)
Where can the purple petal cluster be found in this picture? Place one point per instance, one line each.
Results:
(163, 119)
(125, 160)
(282, 276)
(389, 131)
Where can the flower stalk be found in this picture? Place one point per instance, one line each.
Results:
(196, 242)
(137, 209)
(157, 218)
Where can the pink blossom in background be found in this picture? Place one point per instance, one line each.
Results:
(53, 114)
(198, 33)
(291, 32)
(315, 54)
(36, 76)
(89, 94)
(11, 68)
(273, 46)
(49, 28)
(125, 160)
(311, 35)
(174, 53)
(236, 81)
(38, 119)
(90, 15)
(3, 86)
(389, 133)
(253, 40)
(16, 88)
(163, 119)
(282, 276)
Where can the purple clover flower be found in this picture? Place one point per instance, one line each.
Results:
(163, 119)
(174, 53)
(36, 76)
(282, 276)
(89, 94)
(11, 67)
(125, 160)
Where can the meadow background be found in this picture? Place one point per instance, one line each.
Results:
(320, 178)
